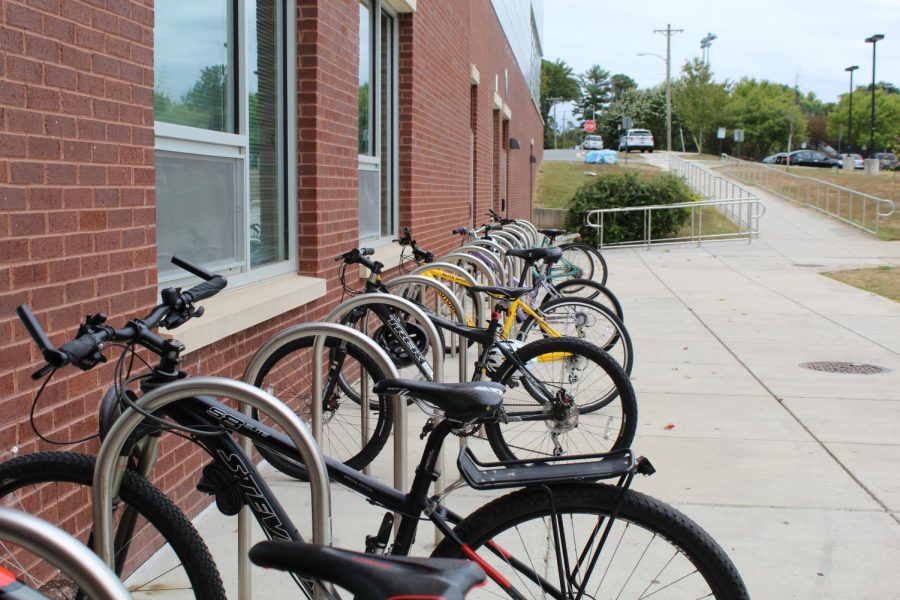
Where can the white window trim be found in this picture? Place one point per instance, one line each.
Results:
(191, 140)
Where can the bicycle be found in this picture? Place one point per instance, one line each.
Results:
(556, 491)
(566, 396)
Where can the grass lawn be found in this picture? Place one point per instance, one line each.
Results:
(884, 281)
(558, 181)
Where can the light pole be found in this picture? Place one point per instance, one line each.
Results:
(705, 43)
(850, 118)
(873, 40)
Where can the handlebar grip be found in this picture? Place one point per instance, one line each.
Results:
(460, 230)
(366, 251)
(206, 289)
(80, 348)
(34, 328)
(193, 269)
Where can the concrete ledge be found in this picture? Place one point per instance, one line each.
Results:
(475, 75)
(402, 6)
(497, 102)
(245, 307)
(507, 112)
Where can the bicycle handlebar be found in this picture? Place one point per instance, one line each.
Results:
(358, 256)
(85, 351)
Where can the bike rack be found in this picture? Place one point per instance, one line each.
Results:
(437, 367)
(500, 251)
(62, 551)
(455, 270)
(476, 261)
(107, 470)
(488, 256)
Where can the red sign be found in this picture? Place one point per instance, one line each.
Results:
(590, 126)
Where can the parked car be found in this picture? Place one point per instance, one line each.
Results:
(592, 142)
(775, 158)
(812, 158)
(636, 139)
(887, 160)
(857, 160)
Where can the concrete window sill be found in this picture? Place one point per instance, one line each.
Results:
(245, 307)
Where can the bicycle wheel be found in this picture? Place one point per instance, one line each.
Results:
(552, 546)
(600, 413)
(585, 258)
(56, 486)
(586, 320)
(590, 289)
(286, 374)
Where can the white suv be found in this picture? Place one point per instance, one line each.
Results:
(636, 139)
(592, 142)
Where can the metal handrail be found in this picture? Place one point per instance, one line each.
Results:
(762, 175)
(106, 470)
(93, 578)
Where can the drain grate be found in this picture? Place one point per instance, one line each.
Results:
(844, 367)
(812, 265)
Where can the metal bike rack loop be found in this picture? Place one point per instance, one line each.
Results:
(455, 270)
(476, 261)
(437, 367)
(106, 469)
(64, 552)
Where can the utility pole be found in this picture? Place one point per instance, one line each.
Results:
(873, 40)
(668, 32)
(850, 116)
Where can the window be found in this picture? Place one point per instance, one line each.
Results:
(223, 131)
(377, 122)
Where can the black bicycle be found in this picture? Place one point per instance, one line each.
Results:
(561, 535)
(565, 395)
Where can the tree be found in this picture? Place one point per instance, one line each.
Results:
(887, 117)
(647, 108)
(619, 84)
(699, 101)
(765, 111)
(558, 84)
(207, 97)
(595, 92)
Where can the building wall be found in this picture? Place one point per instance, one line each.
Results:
(77, 196)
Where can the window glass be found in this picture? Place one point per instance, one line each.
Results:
(191, 219)
(368, 204)
(365, 79)
(387, 125)
(192, 64)
(265, 135)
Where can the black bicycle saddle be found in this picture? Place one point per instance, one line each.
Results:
(532, 255)
(459, 401)
(370, 576)
(501, 293)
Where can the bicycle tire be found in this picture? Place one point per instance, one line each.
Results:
(50, 484)
(519, 521)
(291, 364)
(587, 320)
(604, 421)
(577, 252)
(590, 289)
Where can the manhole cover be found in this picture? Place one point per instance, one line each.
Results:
(844, 367)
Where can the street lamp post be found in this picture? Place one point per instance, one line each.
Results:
(705, 44)
(850, 118)
(873, 40)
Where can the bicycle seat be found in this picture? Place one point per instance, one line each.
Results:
(462, 402)
(501, 293)
(370, 576)
(552, 233)
(532, 255)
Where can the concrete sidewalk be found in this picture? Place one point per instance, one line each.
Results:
(794, 472)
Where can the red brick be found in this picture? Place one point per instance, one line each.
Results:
(12, 198)
(105, 110)
(45, 248)
(28, 224)
(104, 21)
(41, 147)
(59, 126)
(91, 130)
(26, 172)
(91, 175)
(78, 197)
(76, 11)
(118, 47)
(80, 290)
(78, 243)
(62, 174)
(42, 98)
(90, 84)
(22, 16)
(12, 94)
(63, 222)
(43, 298)
(13, 250)
(140, 54)
(117, 90)
(60, 77)
(24, 121)
(89, 38)
(23, 69)
(41, 48)
(13, 145)
(75, 58)
(105, 65)
(106, 197)
(10, 39)
(75, 104)
(45, 199)
(77, 151)
(120, 176)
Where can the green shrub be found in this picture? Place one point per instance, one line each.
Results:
(614, 190)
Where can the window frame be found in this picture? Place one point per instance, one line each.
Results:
(374, 162)
(192, 140)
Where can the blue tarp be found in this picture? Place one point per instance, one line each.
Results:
(601, 157)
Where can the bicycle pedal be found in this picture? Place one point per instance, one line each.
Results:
(644, 467)
(219, 482)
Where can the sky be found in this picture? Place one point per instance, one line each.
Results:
(810, 41)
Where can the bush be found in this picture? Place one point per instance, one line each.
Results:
(614, 190)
